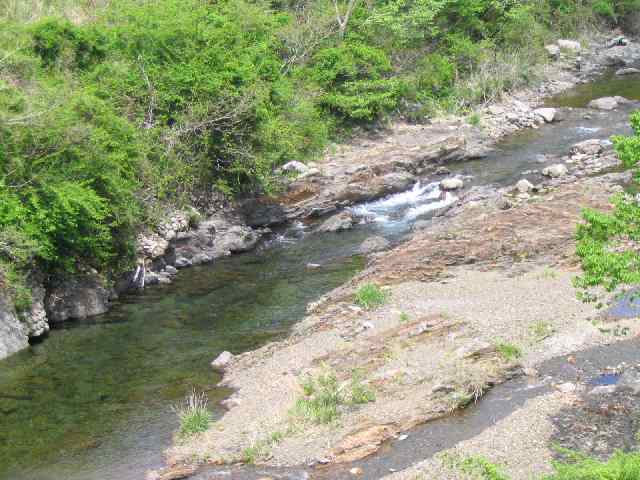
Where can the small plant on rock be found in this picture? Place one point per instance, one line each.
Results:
(193, 413)
(370, 296)
(322, 396)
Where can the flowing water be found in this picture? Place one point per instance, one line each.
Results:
(93, 400)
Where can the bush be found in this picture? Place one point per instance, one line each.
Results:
(607, 241)
(621, 466)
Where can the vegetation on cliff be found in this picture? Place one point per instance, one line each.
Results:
(110, 109)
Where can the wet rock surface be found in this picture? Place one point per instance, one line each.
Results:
(77, 298)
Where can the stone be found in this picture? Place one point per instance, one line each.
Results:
(451, 183)
(171, 270)
(374, 244)
(222, 361)
(238, 238)
(503, 203)
(604, 103)
(555, 171)
(34, 318)
(313, 266)
(547, 114)
(571, 45)
(475, 348)
(620, 41)
(629, 382)
(201, 258)
(566, 388)
(13, 336)
(553, 50)
(356, 471)
(588, 147)
(338, 222)
(602, 390)
(524, 186)
(628, 71)
(295, 167)
(77, 297)
(182, 262)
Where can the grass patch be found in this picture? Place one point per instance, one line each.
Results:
(508, 351)
(370, 296)
(193, 414)
(323, 396)
(621, 466)
(404, 317)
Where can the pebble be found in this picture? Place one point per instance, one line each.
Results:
(356, 471)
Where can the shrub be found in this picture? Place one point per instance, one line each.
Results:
(370, 296)
(322, 399)
(193, 414)
(621, 466)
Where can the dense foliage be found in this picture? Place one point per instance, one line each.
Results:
(110, 108)
(608, 243)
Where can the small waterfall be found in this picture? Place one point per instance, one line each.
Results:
(392, 206)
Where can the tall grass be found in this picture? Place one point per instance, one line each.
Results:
(193, 413)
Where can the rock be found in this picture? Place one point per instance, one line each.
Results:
(628, 71)
(571, 45)
(177, 472)
(77, 298)
(295, 167)
(230, 403)
(262, 213)
(567, 387)
(617, 42)
(503, 203)
(182, 262)
(238, 238)
(13, 336)
(604, 103)
(356, 471)
(530, 372)
(338, 222)
(602, 390)
(524, 186)
(34, 318)
(588, 147)
(451, 183)
(374, 244)
(222, 361)
(475, 348)
(629, 382)
(547, 114)
(171, 270)
(555, 171)
(553, 50)
(201, 258)
(313, 266)
(152, 245)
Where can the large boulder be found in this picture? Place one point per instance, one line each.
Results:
(34, 318)
(555, 171)
(553, 50)
(222, 361)
(547, 114)
(77, 297)
(13, 336)
(607, 103)
(628, 71)
(338, 222)
(524, 186)
(588, 147)
(570, 45)
(451, 183)
(295, 167)
(238, 238)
